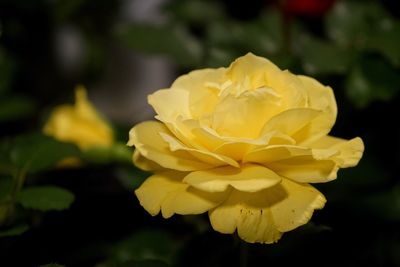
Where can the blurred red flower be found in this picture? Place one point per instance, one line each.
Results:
(311, 8)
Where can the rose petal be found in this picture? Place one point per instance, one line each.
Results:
(202, 86)
(169, 104)
(146, 138)
(249, 214)
(350, 151)
(249, 178)
(204, 156)
(243, 116)
(291, 121)
(164, 191)
(305, 169)
(264, 215)
(297, 208)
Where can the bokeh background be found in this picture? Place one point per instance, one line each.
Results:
(122, 51)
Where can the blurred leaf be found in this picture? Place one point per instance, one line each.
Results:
(170, 40)
(52, 265)
(145, 263)
(131, 178)
(7, 211)
(15, 107)
(350, 22)
(386, 40)
(5, 148)
(116, 153)
(37, 152)
(385, 205)
(15, 230)
(322, 57)
(261, 36)
(372, 79)
(7, 67)
(196, 11)
(45, 198)
(5, 187)
(146, 245)
(218, 57)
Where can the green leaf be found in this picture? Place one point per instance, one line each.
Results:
(262, 36)
(46, 198)
(385, 205)
(36, 152)
(116, 153)
(372, 79)
(386, 40)
(15, 230)
(15, 107)
(196, 11)
(322, 57)
(146, 245)
(170, 40)
(131, 178)
(7, 67)
(52, 265)
(145, 263)
(350, 22)
(5, 187)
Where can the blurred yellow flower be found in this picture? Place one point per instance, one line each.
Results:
(243, 143)
(80, 123)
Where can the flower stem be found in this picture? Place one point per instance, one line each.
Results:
(19, 180)
(244, 254)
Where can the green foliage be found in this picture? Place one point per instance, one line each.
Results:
(5, 188)
(171, 40)
(14, 230)
(45, 198)
(15, 107)
(320, 57)
(7, 69)
(117, 152)
(144, 263)
(350, 22)
(36, 152)
(52, 265)
(196, 12)
(372, 79)
(148, 245)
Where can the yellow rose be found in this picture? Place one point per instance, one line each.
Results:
(243, 143)
(80, 124)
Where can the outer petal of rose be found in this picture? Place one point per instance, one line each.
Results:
(305, 169)
(320, 97)
(256, 70)
(169, 104)
(300, 164)
(203, 155)
(350, 151)
(248, 178)
(249, 214)
(274, 153)
(206, 138)
(297, 208)
(291, 121)
(164, 191)
(146, 138)
(263, 216)
(144, 163)
(202, 86)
